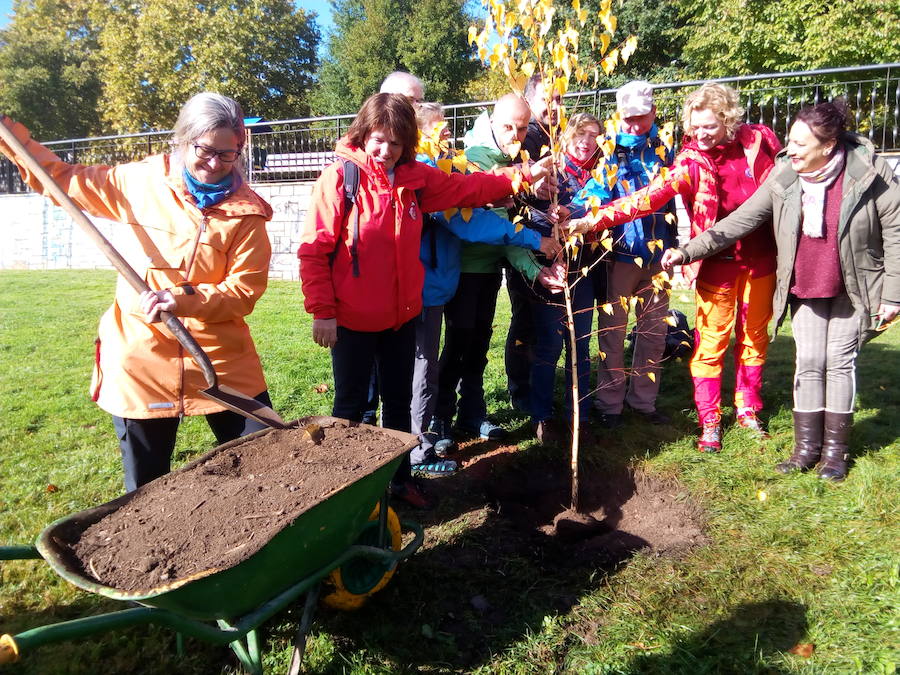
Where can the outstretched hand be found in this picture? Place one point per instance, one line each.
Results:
(671, 258)
(553, 278)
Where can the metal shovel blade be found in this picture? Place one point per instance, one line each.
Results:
(244, 405)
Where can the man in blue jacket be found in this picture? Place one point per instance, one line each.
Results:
(637, 252)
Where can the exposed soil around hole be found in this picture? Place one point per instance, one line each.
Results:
(223, 509)
(621, 511)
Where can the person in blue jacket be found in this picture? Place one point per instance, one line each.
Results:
(638, 247)
(442, 239)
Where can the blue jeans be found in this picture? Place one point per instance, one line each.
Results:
(550, 336)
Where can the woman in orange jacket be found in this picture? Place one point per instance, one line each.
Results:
(360, 269)
(198, 238)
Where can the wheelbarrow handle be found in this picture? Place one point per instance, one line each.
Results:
(118, 261)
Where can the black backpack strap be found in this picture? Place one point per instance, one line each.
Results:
(429, 227)
(351, 190)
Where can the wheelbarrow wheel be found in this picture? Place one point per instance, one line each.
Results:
(357, 579)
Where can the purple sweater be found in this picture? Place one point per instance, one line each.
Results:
(817, 267)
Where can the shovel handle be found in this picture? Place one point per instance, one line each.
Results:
(137, 282)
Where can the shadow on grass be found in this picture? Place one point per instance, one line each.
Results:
(753, 634)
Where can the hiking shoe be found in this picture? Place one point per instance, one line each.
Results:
(433, 466)
(749, 421)
(444, 443)
(410, 492)
(711, 435)
(486, 431)
(609, 420)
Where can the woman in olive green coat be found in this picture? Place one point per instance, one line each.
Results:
(835, 207)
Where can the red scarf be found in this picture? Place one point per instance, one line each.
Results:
(581, 170)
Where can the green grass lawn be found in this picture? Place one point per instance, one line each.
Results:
(813, 563)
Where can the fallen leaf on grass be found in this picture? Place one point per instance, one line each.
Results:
(640, 645)
(803, 649)
(761, 495)
(52, 488)
(321, 388)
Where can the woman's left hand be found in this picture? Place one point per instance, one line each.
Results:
(887, 313)
(154, 302)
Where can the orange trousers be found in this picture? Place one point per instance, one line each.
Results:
(746, 308)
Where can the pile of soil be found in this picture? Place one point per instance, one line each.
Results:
(222, 509)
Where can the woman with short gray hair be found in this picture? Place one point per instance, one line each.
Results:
(199, 241)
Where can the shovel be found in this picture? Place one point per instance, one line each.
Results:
(226, 396)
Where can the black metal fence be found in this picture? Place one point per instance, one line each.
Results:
(299, 149)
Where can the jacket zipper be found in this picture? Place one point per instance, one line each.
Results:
(187, 278)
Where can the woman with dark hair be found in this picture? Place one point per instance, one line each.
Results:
(836, 211)
(360, 269)
(200, 242)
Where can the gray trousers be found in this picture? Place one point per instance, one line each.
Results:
(425, 376)
(625, 279)
(826, 333)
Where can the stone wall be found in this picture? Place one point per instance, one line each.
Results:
(35, 234)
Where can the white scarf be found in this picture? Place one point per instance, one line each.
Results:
(813, 186)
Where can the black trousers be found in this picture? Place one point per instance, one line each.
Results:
(468, 320)
(393, 353)
(147, 445)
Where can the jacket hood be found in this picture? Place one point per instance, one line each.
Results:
(242, 202)
(481, 135)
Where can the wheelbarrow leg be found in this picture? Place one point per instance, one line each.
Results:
(312, 600)
(248, 654)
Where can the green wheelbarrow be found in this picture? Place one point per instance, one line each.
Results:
(350, 535)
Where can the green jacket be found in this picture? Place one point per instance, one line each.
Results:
(482, 150)
(868, 230)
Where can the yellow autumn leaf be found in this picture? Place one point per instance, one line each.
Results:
(651, 245)
(445, 165)
(473, 34)
(628, 49)
(528, 68)
(652, 376)
(466, 214)
(514, 148)
(601, 355)
(561, 84)
(624, 302)
(585, 271)
(607, 243)
(671, 218)
(545, 150)
(670, 320)
(604, 43)
(661, 152)
(607, 307)
(449, 213)
(638, 260)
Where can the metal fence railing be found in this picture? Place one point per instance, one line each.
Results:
(299, 149)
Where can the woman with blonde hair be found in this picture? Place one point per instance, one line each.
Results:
(721, 164)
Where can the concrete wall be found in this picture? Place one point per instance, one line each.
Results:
(35, 234)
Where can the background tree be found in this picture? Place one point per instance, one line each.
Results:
(155, 54)
(48, 74)
(374, 37)
(758, 36)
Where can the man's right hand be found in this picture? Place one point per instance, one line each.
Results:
(550, 247)
(324, 332)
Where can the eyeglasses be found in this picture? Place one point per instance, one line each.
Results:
(205, 152)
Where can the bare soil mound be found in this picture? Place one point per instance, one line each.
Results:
(222, 509)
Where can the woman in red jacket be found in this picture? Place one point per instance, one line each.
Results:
(721, 164)
(360, 269)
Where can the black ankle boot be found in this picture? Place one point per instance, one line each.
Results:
(835, 446)
(808, 430)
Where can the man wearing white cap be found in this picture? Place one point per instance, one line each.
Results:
(635, 262)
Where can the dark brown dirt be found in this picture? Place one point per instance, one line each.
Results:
(621, 511)
(222, 509)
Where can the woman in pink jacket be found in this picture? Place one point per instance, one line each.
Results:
(360, 268)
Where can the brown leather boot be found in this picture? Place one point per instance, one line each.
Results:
(808, 430)
(835, 446)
